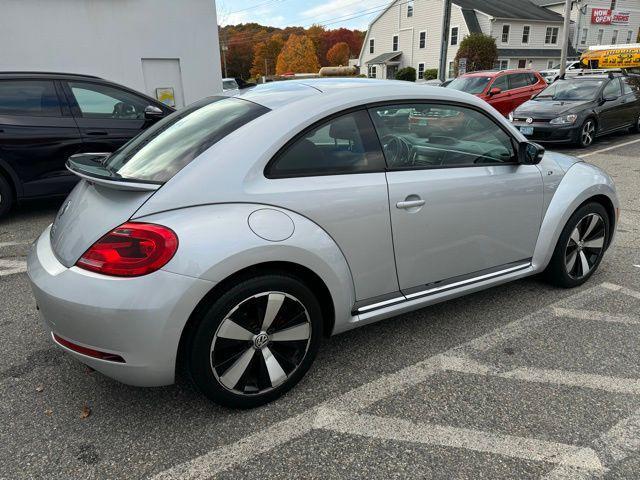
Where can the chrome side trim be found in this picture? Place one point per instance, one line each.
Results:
(373, 306)
(449, 286)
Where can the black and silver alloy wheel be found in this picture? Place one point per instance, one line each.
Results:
(585, 246)
(587, 133)
(260, 343)
(255, 340)
(581, 246)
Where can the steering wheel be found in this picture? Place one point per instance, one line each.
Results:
(396, 150)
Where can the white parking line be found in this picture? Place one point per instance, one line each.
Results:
(597, 316)
(14, 244)
(11, 267)
(572, 459)
(613, 147)
(397, 429)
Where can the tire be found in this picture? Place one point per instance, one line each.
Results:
(6, 196)
(636, 126)
(242, 364)
(587, 133)
(588, 242)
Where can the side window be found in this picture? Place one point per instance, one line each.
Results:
(36, 98)
(612, 89)
(532, 78)
(519, 80)
(501, 83)
(102, 101)
(345, 144)
(627, 86)
(426, 135)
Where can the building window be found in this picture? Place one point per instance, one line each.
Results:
(551, 36)
(371, 45)
(629, 36)
(614, 37)
(550, 64)
(420, 71)
(526, 31)
(505, 33)
(585, 34)
(454, 36)
(452, 71)
(600, 36)
(422, 43)
(409, 9)
(373, 71)
(501, 65)
(394, 47)
(522, 63)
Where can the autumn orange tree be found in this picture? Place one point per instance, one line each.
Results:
(298, 55)
(266, 53)
(339, 54)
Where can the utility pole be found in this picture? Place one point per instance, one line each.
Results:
(224, 47)
(444, 45)
(264, 79)
(565, 37)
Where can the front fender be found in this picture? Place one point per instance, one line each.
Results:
(581, 182)
(216, 241)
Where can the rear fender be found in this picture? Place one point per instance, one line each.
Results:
(216, 241)
(581, 182)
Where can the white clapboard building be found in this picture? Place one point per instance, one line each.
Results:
(409, 32)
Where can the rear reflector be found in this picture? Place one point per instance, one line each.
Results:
(89, 352)
(131, 250)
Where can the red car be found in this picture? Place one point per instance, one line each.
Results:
(505, 90)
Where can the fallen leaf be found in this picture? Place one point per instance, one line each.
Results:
(48, 412)
(39, 388)
(86, 411)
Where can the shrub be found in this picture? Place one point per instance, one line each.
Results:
(431, 74)
(407, 73)
(480, 50)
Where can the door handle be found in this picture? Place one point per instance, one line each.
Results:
(410, 204)
(96, 132)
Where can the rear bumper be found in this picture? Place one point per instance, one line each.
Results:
(139, 319)
(546, 133)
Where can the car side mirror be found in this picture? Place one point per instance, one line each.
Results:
(495, 91)
(530, 153)
(609, 98)
(151, 112)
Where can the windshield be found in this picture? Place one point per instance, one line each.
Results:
(571, 90)
(473, 85)
(161, 151)
(229, 84)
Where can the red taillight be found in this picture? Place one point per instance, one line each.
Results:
(89, 352)
(131, 250)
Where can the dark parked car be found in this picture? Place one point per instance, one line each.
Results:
(579, 109)
(47, 117)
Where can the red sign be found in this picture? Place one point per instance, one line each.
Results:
(601, 16)
(620, 18)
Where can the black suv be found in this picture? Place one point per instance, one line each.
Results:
(47, 117)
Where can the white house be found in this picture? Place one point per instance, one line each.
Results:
(143, 44)
(599, 22)
(409, 32)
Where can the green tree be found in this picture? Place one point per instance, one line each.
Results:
(298, 56)
(407, 73)
(480, 50)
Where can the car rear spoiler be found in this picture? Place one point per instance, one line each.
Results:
(91, 167)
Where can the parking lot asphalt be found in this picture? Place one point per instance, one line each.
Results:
(519, 381)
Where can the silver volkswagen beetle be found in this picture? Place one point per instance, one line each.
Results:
(227, 240)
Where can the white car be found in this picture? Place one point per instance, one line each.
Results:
(551, 75)
(229, 85)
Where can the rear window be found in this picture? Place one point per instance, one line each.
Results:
(474, 85)
(160, 152)
(36, 98)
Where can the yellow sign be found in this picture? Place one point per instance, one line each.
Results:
(166, 96)
(612, 58)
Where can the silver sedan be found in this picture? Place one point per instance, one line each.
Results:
(227, 240)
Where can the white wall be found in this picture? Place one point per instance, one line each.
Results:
(109, 38)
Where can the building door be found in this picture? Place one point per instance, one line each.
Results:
(163, 80)
(391, 71)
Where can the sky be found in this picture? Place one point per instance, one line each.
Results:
(281, 13)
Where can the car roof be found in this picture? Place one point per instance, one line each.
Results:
(495, 73)
(279, 94)
(41, 74)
